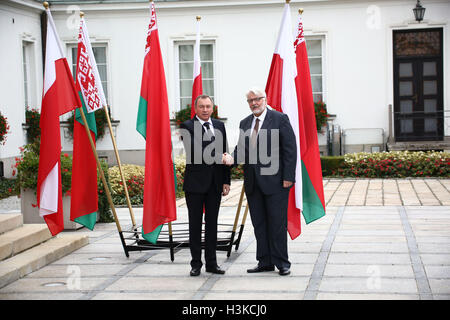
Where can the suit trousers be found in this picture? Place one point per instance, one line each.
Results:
(195, 202)
(269, 219)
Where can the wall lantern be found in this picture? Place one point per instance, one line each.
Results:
(419, 11)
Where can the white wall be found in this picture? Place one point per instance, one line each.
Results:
(358, 55)
(18, 24)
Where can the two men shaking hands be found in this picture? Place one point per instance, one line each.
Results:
(267, 149)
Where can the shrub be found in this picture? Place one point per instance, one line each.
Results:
(330, 164)
(7, 188)
(321, 115)
(4, 128)
(32, 119)
(27, 166)
(237, 172)
(134, 177)
(100, 121)
(180, 167)
(395, 164)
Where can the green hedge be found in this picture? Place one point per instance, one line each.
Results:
(394, 164)
(8, 188)
(331, 164)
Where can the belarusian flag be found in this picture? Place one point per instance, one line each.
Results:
(282, 96)
(197, 88)
(59, 96)
(84, 202)
(313, 197)
(153, 123)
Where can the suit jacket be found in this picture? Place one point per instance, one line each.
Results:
(199, 173)
(281, 148)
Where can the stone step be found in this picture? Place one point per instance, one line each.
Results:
(10, 221)
(35, 258)
(22, 238)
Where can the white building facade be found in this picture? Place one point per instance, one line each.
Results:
(382, 74)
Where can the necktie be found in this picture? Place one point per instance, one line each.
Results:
(208, 134)
(254, 133)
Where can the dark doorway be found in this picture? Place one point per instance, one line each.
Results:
(418, 85)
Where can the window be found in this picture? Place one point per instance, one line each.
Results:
(314, 47)
(184, 73)
(100, 58)
(28, 74)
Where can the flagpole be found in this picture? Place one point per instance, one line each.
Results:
(241, 230)
(236, 219)
(105, 107)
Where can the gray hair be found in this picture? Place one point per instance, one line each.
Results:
(256, 91)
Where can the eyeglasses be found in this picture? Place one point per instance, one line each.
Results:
(254, 99)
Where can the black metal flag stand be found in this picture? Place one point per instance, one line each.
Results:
(175, 236)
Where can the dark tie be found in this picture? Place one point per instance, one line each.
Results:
(208, 134)
(209, 138)
(254, 133)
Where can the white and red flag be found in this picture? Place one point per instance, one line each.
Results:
(197, 88)
(88, 77)
(282, 96)
(59, 96)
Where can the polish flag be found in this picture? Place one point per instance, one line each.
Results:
(59, 96)
(197, 88)
(282, 96)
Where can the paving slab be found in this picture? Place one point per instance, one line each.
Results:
(380, 239)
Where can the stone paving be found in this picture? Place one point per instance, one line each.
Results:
(380, 239)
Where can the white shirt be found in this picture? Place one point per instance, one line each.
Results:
(211, 127)
(261, 120)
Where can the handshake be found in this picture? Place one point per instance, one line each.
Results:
(227, 159)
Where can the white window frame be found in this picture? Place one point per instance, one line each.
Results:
(29, 67)
(72, 45)
(322, 39)
(176, 45)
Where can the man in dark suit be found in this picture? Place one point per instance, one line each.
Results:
(205, 180)
(267, 148)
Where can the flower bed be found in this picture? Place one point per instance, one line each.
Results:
(394, 164)
(134, 178)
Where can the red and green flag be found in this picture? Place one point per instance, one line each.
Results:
(153, 123)
(84, 195)
(313, 195)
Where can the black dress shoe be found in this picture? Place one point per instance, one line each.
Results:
(195, 272)
(284, 271)
(261, 269)
(216, 270)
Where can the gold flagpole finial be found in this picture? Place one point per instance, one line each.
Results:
(198, 18)
(45, 4)
(81, 14)
(300, 11)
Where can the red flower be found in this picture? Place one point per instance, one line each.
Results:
(66, 155)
